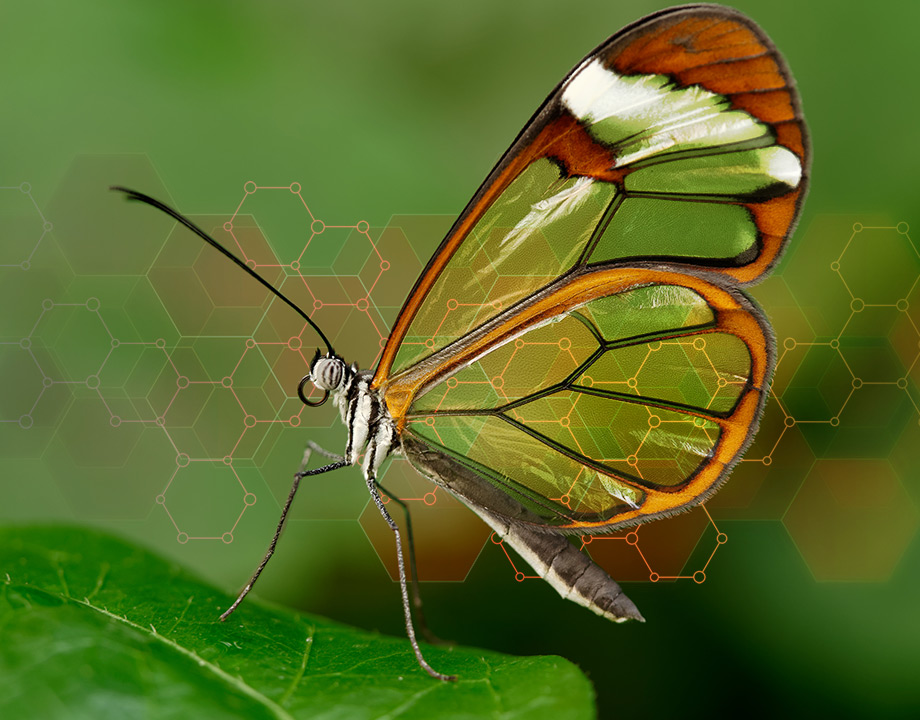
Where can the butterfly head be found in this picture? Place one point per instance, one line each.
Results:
(328, 373)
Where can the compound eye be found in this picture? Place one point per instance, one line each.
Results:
(304, 399)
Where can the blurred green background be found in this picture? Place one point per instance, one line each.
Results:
(149, 388)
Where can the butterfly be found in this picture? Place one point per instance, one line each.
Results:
(578, 356)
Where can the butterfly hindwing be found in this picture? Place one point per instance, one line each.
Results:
(619, 396)
(680, 140)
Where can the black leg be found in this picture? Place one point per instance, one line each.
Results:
(429, 636)
(410, 630)
(271, 548)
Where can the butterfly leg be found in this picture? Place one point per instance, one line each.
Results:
(313, 447)
(298, 476)
(429, 636)
(410, 629)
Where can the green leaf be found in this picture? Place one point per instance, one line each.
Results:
(91, 626)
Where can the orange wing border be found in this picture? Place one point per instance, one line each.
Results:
(735, 313)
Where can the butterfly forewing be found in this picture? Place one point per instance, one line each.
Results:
(680, 140)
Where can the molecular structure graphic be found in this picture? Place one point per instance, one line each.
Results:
(181, 371)
(24, 228)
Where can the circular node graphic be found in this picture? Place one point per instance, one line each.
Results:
(903, 228)
(114, 421)
(384, 265)
(632, 538)
(317, 226)
(249, 188)
(857, 227)
(227, 537)
(182, 460)
(161, 499)
(654, 577)
(430, 498)
(226, 382)
(363, 226)
(25, 422)
(721, 538)
(295, 187)
(182, 538)
(857, 305)
(92, 304)
(249, 499)
(767, 460)
(903, 305)
(519, 576)
(182, 382)
(835, 421)
(699, 577)
(92, 382)
(25, 343)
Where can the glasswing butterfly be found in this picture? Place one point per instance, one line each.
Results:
(578, 355)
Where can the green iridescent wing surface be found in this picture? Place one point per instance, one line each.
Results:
(623, 408)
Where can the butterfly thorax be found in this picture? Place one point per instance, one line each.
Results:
(370, 427)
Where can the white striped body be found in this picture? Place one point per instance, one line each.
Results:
(370, 427)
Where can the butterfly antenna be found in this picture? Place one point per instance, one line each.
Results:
(141, 197)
